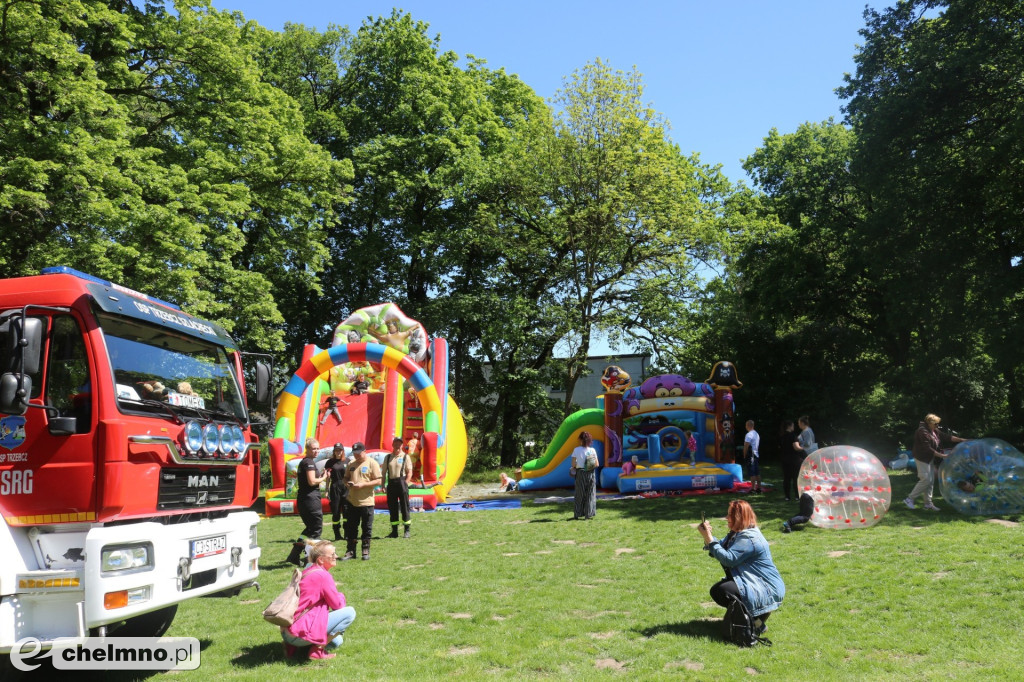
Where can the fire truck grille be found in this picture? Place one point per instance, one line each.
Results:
(194, 488)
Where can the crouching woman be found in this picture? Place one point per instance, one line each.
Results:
(750, 573)
(321, 616)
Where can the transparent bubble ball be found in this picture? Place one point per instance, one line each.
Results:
(850, 487)
(983, 477)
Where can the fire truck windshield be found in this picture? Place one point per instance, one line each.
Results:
(154, 366)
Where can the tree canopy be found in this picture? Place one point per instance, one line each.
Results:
(274, 181)
(892, 286)
(142, 146)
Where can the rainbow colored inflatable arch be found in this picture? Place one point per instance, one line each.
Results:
(385, 356)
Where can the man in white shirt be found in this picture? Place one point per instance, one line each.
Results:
(751, 446)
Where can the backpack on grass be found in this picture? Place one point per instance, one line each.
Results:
(739, 626)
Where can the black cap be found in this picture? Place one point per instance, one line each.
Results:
(358, 447)
(339, 446)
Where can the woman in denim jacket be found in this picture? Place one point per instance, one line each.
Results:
(750, 573)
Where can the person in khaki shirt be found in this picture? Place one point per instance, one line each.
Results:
(362, 476)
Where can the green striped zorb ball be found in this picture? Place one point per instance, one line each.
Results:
(850, 487)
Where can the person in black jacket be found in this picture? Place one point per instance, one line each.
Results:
(308, 497)
(338, 492)
(791, 457)
(806, 510)
(928, 455)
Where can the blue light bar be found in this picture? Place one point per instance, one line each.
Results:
(64, 270)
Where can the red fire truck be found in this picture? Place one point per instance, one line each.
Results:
(127, 460)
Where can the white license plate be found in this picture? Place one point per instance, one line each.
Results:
(209, 546)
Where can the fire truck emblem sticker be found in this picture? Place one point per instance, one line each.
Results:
(12, 432)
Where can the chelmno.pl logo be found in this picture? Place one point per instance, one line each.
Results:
(109, 653)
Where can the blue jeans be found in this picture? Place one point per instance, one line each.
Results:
(337, 622)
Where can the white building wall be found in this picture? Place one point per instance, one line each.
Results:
(588, 388)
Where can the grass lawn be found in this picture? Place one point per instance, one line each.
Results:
(529, 594)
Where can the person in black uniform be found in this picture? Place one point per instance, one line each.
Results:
(398, 470)
(338, 492)
(308, 497)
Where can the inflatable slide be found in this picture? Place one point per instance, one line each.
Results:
(669, 432)
(380, 379)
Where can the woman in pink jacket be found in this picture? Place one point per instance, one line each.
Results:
(321, 617)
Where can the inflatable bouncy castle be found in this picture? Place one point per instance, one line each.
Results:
(669, 433)
(381, 378)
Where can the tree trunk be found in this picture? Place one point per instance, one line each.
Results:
(510, 434)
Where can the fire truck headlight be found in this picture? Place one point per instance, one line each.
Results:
(211, 439)
(126, 558)
(225, 440)
(193, 437)
(252, 537)
(237, 439)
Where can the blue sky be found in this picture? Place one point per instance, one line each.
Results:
(723, 73)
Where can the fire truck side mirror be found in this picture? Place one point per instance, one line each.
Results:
(24, 345)
(22, 342)
(263, 372)
(14, 392)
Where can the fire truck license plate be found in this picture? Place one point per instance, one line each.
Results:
(209, 546)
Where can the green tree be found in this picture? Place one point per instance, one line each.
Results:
(631, 212)
(141, 146)
(598, 217)
(937, 103)
(891, 285)
(426, 138)
(796, 306)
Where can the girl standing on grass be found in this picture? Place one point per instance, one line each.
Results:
(583, 467)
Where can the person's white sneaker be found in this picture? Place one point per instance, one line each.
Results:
(931, 507)
(909, 502)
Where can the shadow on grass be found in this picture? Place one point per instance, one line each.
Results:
(272, 652)
(262, 654)
(697, 629)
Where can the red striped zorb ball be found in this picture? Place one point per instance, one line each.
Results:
(850, 487)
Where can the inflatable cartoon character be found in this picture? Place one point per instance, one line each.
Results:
(723, 374)
(667, 386)
(725, 423)
(615, 379)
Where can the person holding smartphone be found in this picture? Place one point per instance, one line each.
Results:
(750, 572)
